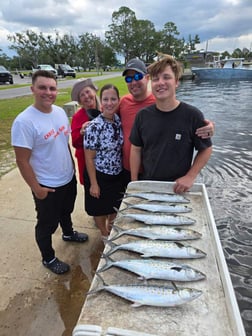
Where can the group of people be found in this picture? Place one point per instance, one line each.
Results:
(143, 135)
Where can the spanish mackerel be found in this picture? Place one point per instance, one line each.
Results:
(165, 296)
(158, 219)
(157, 232)
(158, 248)
(171, 208)
(159, 197)
(155, 269)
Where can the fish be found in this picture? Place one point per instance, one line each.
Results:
(155, 269)
(146, 295)
(159, 197)
(157, 232)
(157, 219)
(157, 248)
(171, 208)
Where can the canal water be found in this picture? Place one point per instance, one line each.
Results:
(228, 176)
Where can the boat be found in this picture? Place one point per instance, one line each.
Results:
(224, 69)
(215, 312)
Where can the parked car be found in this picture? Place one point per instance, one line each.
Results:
(47, 67)
(78, 68)
(5, 75)
(65, 70)
(107, 68)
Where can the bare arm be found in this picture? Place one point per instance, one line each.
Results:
(185, 182)
(206, 131)
(135, 161)
(23, 162)
(90, 164)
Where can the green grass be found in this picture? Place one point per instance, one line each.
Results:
(10, 108)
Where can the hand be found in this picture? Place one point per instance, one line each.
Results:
(43, 192)
(83, 127)
(207, 131)
(95, 191)
(183, 184)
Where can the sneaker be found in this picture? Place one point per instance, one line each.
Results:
(56, 266)
(76, 237)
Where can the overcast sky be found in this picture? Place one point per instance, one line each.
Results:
(225, 24)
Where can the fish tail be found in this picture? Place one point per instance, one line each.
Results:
(112, 248)
(128, 205)
(118, 234)
(98, 289)
(109, 263)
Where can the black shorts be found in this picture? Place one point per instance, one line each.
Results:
(111, 188)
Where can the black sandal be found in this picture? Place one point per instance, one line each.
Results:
(56, 266)
(76, 237)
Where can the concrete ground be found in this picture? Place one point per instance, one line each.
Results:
(35, 301)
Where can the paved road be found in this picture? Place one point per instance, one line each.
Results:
(62, 83)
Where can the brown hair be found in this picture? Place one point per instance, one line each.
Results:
(107, 87)
(42, 73)
(155, 68)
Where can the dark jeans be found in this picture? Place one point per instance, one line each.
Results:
(55, 209)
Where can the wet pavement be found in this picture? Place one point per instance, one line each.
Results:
(35, 301)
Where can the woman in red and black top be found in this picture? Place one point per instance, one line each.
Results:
(84, 92)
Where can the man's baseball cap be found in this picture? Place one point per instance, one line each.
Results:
(137, 65)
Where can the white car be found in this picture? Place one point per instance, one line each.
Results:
(46, 67)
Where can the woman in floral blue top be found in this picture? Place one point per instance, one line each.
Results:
(103, 180)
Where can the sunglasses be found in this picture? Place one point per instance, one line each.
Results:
(136, 77)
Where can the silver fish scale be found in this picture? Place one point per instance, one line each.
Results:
(158, 248)
(156, 269)
(170, 208)
(158, 232)
(159, 197)
(163, 219)
(154, 295)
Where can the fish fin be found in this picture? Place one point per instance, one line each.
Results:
(146, 255)
(145, 281)
(174, 285)
(179, 244)
(116, 210)
(136, 304)
(176, 268)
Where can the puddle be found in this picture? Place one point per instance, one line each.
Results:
(53, 310)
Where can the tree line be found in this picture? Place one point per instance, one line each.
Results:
(126, 36)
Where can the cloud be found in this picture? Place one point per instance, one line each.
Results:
(225, 24)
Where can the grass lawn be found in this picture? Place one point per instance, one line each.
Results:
(10, 108)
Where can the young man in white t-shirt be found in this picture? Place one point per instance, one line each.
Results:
(40, 136)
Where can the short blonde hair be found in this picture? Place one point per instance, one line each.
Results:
(155, 68)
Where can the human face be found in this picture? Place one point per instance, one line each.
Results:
(109, 103)
(87, 98)
(164, 84)
(138, 89)
(45, 92)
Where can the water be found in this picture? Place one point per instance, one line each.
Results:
(228, 176)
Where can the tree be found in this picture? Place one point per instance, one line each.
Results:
(191, 44)
(27, 45)
(121, 34)
(145, 41)
(169, 41)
